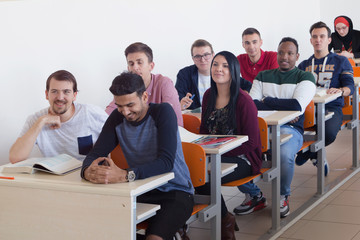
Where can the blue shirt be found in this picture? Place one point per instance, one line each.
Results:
(338, 69)
(151, 146)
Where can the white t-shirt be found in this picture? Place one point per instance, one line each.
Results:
(74, 137)
(204, 84)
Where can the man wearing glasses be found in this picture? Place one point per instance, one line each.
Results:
(255, 60)
(194, 80)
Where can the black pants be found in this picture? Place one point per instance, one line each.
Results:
(243, 170)
(332, 126)
(175, 209)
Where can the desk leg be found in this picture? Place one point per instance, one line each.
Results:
(275, 183)
(215, 179)
(133, 218)
(355, 130)
(321, 152)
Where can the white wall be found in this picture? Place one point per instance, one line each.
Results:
(88, 38)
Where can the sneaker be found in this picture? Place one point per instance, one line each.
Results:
(251, 204)
(284, 206)
(326, 166)
(181, 234)
(302, 158)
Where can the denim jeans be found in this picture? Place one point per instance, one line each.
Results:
(243, 170)
(288, 152)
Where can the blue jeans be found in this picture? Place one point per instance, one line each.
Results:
(288, 152)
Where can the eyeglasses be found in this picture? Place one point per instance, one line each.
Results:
(206, 57)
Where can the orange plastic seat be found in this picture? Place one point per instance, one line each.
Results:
(309, 123)
(356, 71)
(264, 134)
(309, 120)
(195, 158)
(264, 137)
(352, 62)
(191, 123)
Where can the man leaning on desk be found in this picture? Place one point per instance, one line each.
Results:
(149, 138)
(333, 72)
(64, 127)
(286, 88)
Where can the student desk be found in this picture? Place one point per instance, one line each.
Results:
(275, 121)
(213, 211)
(319, 145)
(354, 125)
(46, 206)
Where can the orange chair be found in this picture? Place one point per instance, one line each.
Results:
(347, 109)
(352, 62)
(309, 123)
(356, 71)
(195, 159)
(309, 120)
(191, 123)
(264, 136)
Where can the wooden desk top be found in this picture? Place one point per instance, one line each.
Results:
(327, 98)
(74, 183)
(280, 117)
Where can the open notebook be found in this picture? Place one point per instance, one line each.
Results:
(59, 165)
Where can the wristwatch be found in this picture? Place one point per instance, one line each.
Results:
(130, 176)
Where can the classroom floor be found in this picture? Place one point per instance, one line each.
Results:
(336, 217)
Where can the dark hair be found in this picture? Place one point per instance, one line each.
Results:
(289, 39)
(127, 83)
(320, 25)
(139, 47)
(201, 43)
(62, 75)
(250, 31)
(234, 69)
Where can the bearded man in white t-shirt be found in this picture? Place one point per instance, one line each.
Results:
(64, 127)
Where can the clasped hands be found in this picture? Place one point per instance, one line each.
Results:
(105, 173)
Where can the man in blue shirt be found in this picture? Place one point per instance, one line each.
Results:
(149, 138)
(333, 72)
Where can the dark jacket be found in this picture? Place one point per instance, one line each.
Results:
(187, 81)
(352, 37)
(246, 124)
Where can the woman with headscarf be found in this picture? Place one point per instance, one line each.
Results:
(345, 40)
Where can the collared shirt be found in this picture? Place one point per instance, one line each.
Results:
(249, 70)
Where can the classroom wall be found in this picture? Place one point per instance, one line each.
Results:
(88, 38)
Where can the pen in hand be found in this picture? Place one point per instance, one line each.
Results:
(191, 98)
